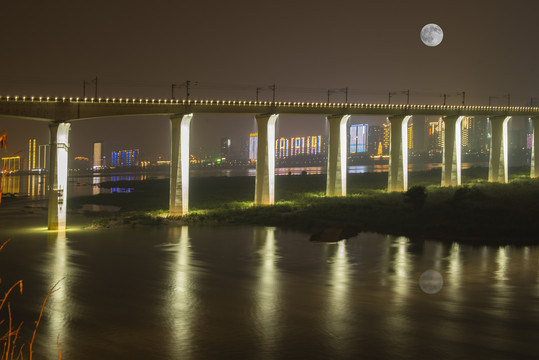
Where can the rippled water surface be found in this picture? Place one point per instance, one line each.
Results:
(264, 293)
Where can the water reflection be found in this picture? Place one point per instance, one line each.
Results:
(400, 285)
(125, 190)
(401, 267)
(267, 290)
(31, 185)
(58, 318)
(183, 303)
(12, 185)
(454, 271)
(502, 258)
(257, 293)
(338, 311)
(96, 190)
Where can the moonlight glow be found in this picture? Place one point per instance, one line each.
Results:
(431, 35)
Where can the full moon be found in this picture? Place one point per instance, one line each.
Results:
(432, 35)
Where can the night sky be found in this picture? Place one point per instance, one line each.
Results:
(138, 49)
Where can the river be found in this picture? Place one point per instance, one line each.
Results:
(35, 185)
(264, 293)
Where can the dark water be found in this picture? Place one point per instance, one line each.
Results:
(264, 293)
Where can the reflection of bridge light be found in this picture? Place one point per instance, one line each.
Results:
(455, 266)
(338, 303)
(339, 276)
(267, 291)
(182, 297)
(402, 265)
(502, 262)
(58, 305)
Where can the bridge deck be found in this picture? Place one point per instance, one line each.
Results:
(70, 109)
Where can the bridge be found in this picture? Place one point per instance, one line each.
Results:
(60, 112)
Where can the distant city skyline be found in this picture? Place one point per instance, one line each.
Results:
(425, 134)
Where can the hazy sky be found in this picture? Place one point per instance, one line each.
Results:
(139, 48)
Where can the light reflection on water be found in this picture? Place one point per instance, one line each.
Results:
(338, 305)
(268, 308)
(182, 305)
(260, 292)
(58, 324)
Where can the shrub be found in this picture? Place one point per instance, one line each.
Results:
(416, 196)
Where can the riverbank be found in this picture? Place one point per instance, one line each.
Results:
(477, 212)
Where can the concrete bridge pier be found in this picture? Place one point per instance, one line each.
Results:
(58, 171)
(337, 155)
(265, 159)
(451, 160)
(535, 148)
(497, 166)
(179, 164)
(398, 153)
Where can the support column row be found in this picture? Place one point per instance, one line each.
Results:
(179, 164)
(452, 157)
(265, 162)
(498, 164)
(398, 153)
(337, 155)
(58, 171)
(265, 159)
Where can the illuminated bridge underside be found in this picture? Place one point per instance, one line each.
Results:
(61, 111)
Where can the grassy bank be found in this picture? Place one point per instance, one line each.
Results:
(478, 211)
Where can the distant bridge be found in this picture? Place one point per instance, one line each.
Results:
(60, 112)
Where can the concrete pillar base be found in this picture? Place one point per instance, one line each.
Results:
(179, 164)
(398, 153)
(498, 164)
(265, 159)
(58, 171)
(451, 160)
(337, 155)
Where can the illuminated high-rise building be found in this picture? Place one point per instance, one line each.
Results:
(97, 159)
(31, 154)
(11, 163)
(125, 158)
(42, 156)
(375, 138)
(466, 132)
(314, 144)
(225, 148)
(358, 138)
(301, 145)
(297, 146)
(253, 145)
(436, 135)
(410, 135)
(387, 137)
(282, 148)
